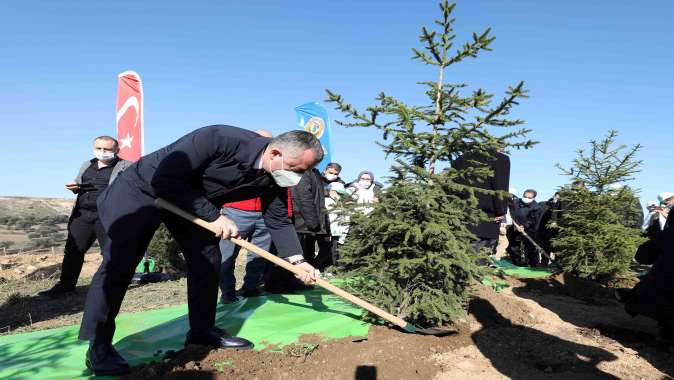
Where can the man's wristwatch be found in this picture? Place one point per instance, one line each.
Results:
(296, 259)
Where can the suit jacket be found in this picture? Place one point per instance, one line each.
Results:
(213, 165)
(120, 166)
(492, 205)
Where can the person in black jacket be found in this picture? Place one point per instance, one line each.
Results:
(648, 251)
(198, 172)
(526, 214)
(494, 206)
(84, 226)
(653, 296)
(547, 229)
(310, 216)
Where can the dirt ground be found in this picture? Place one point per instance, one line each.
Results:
(42, 266)
(557, 328)
(535, 330)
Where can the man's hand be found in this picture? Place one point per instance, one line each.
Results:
(499, 219)
(72, 186)
(226, 228)
(309, 277)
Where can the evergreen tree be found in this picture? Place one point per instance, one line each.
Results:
(598, 232)
(413, 254)
(166, 251)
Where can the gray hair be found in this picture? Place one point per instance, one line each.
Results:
(108, 138)
(296, 142)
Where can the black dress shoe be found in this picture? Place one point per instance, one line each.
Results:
(58, 290)
(247, 293)
(104, 360)
(228, 298)
(218, 338)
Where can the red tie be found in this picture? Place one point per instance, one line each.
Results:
(290, 204)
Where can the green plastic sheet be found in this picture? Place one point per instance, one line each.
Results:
(512, 270)
(141, 266)
(270, 321)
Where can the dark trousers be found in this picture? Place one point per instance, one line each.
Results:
(130, 220)
(84, 228)
(520, 249)
(321, 260)
(279, 280)
(334, 253)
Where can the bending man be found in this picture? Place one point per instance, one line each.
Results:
(205, 168)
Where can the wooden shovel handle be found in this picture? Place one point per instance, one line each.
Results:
(162, 203)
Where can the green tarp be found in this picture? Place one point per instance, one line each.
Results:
(512, 270)
(268, 321)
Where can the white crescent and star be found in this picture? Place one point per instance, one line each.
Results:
(126, 141)
(131, 102)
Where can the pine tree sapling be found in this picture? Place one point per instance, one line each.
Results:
(599, 231)
(413, 254)
(166, 251)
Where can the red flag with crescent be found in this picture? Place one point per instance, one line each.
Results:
(130, 115)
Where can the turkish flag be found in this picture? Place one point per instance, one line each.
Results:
(130, 115)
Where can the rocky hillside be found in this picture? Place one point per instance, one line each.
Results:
(33, 223)
(36, 207)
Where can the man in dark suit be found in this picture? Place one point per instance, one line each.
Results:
(494, 206)
(205, 168)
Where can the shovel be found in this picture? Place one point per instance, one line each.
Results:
(536, 245)
(401, 323)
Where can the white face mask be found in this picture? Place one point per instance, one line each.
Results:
(330, 177)
(285, 178)
(527, 200)
(364, 184)
(104, 156)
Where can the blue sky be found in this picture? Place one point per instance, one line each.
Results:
(589, 66)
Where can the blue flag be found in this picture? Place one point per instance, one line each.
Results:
(312, 117)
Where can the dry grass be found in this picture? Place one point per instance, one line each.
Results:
(21, 310)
